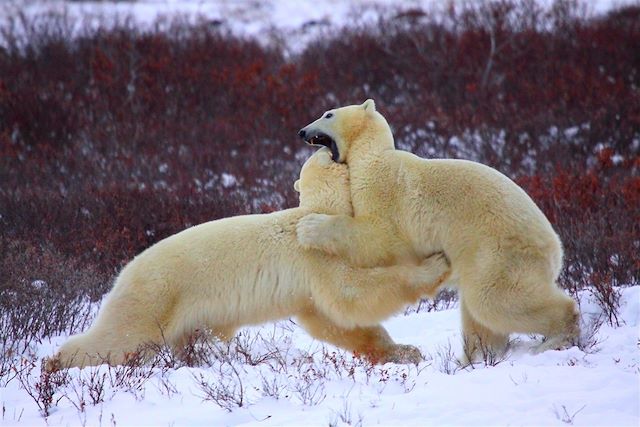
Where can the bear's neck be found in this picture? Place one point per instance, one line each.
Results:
(368, 146)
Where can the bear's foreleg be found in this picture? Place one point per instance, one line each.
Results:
(361, 297)
(361, 241)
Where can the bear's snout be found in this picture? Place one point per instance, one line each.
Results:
(302, 133)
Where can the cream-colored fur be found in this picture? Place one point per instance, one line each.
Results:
(505, 256)
(245, 270)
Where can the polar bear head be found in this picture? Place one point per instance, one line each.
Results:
(324, 185)
(350, 130)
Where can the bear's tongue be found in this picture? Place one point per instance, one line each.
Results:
(335, 154)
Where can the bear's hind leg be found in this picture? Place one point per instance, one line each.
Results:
(98, 346)
(525, 307)
(561, 321)
(478, 340)
(372, 342)
(121, 333)
(79, 351)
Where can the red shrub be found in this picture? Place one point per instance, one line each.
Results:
(598, 221)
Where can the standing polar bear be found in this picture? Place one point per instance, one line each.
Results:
(250, 269)
(505, 256)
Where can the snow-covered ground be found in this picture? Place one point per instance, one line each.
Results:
(295, 380)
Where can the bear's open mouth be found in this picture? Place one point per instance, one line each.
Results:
(325, 140)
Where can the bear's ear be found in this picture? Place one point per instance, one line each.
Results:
(296, 185)
(369, 105)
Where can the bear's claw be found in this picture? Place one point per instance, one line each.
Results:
(431, 273)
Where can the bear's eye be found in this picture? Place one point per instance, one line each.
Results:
(328, 115)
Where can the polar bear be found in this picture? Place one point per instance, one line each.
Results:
(505, 256)
(245, 270)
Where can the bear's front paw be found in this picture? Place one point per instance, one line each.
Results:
(313, 231)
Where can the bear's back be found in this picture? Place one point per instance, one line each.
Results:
(469, 199)
(229, 244)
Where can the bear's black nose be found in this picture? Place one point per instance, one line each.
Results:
(302, 133)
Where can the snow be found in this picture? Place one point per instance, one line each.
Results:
(297, 383)
(228, 180)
